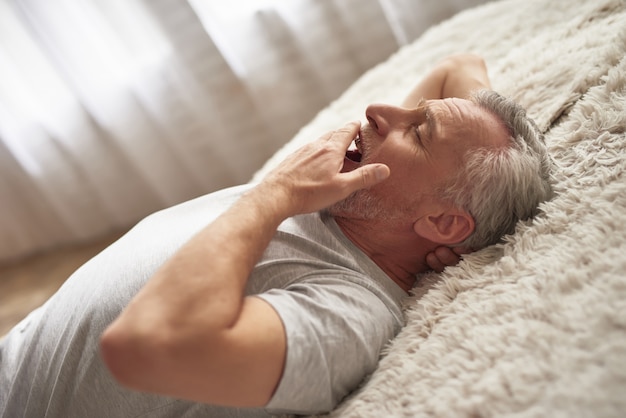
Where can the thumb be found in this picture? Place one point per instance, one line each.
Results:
(368, 175)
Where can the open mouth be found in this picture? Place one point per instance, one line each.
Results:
(354, 152)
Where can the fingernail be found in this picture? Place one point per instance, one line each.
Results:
(381, 172)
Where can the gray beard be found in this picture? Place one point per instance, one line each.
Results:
(363, 205)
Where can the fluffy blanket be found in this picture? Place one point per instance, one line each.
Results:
(535, 326)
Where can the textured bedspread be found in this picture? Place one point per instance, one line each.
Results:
(535, 326)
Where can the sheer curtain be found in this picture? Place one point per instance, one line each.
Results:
(112, 109)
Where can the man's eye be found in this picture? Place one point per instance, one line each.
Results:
(418, 136)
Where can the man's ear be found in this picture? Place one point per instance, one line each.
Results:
(449, 227)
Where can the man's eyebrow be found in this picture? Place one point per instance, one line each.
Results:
(431, 123)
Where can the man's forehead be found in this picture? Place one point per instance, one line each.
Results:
(455, 118)
(450, 110)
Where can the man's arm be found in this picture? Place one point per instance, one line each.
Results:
(190, 332)
(454, 76)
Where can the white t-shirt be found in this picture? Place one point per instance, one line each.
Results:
(339, 310)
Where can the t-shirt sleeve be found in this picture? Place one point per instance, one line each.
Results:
(335, 332)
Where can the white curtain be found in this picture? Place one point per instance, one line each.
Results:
(112, 109)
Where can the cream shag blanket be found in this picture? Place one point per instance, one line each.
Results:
(536, 326)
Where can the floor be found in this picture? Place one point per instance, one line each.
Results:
(26, 285)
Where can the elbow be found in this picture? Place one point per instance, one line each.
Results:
(148, 359)
(127, 359)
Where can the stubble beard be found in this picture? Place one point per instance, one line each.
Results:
(362, 204)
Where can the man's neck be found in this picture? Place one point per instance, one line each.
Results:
(393, 246)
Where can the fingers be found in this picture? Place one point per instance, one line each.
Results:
(362, 177)
(447, 256)
(443, 257)
(368, 175)
(342, 136)
(346, 134)
(434, 263)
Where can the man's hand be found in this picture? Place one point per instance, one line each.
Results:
(443, 257)
(311, 178)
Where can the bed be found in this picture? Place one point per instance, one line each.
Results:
(536, 325)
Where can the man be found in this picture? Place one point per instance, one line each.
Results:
(279, 297)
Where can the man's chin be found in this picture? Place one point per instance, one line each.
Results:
(344, 208)
(359, 205)
(367, 205)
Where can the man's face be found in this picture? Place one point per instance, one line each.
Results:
(423, 147)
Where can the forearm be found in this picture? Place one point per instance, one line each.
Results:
(200, 288)
(464, 74)
(205, 280)
(178, 336)
(454, 76)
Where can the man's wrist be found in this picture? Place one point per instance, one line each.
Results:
(274, 198)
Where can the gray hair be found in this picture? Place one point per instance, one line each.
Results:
(500, 186)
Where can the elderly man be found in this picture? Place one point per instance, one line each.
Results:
(279, 297)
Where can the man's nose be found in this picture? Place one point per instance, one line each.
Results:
(383, 118)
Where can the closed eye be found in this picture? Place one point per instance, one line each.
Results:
(419, 138)
(422, 139)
